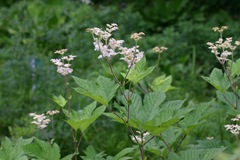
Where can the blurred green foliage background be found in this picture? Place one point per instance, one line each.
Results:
(31, 30)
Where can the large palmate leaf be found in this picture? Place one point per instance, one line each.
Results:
(117, 117)
(140, 112)
(162, 83)
(235, 67)
(144, 110)
(150, 114)
(196, 154)
(213, 143)
(197, 116)
(218, 80)
(204, 150)
(156, 129)
(231, 101)
(229, 98)
(151, 104)
(11, 151)
(91, 154)
(101, 90)
(169, 114)
(139, 71)
(170, 136)
(42, 150)
(82, 119)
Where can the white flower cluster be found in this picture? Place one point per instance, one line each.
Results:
(131, 55)
(63, 64)
(237, 118)
(141, 138)
(159, 49)
(52, 112)
(210, 138)
(234, 129)
(137, 36)
(222, 48)
(110, 47)
(40, 120)
(220, 30)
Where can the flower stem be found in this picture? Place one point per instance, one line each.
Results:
(74, 133)
(232, 87)
(180, 142)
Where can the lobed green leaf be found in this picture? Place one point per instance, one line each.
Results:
(101, 90)
(218, 80)
(139, 71)
(234, 67)
(42, 150)
(84, 118)
(60, 100)
(11, 151)
(162, 83)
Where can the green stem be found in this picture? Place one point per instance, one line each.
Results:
(141, 152)
(139, 143)
(45, 135)
(52, 127)
(158, 60)
(228, 101)
(232, 87)
(114, 76)
(128, 103)
(74, 135)
(180, 142)
(148, 141)
(68, 94)
(166, 144)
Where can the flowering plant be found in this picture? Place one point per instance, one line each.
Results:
(155, 124)
(226, 80)
(150, 117)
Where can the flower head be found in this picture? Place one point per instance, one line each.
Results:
(220, 30)
(62, 51)
(52, 112)
(237, 43)
(159, 49)
(131, 55)
(222, 48)
(137, 36)
(111, 27)
(103, 34)
(110, 47)
(210, 138)
(234, 128)
(63, 64)
(40, 120)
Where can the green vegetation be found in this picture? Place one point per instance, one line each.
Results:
(183, 83)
